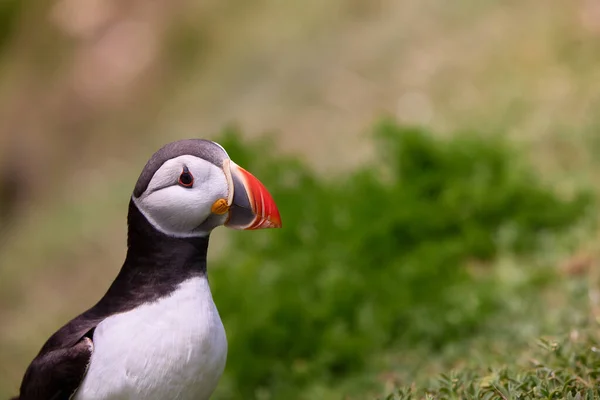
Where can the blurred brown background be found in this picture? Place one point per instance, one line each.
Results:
(90, 88)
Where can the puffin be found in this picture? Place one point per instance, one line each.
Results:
(156, 333)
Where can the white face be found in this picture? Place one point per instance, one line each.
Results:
(178, 208)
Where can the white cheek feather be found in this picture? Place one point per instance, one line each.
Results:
(176, 210)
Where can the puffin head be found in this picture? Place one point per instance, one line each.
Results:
(190, 187)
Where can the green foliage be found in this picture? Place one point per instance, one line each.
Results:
(9, 13)
(376, 257)
(566, 369)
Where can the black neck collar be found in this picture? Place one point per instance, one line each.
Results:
(155, 264)
(151, 249)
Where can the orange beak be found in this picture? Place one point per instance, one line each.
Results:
(252, 206)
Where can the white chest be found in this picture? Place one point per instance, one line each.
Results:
(174, 348)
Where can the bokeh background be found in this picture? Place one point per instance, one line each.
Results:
(435, 163)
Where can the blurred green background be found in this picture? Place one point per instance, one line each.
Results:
(435, 164)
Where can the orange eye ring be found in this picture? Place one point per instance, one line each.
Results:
(186, 179)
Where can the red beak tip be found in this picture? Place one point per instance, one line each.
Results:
(267, 223)
(262, 203)
(274, 224)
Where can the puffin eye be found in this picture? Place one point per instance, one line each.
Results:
(186, 179)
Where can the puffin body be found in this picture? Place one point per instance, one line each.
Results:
(172, 348)
(156, 333)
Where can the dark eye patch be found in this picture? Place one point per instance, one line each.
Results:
(186, 179)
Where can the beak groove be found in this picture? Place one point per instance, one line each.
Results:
(252, 206)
